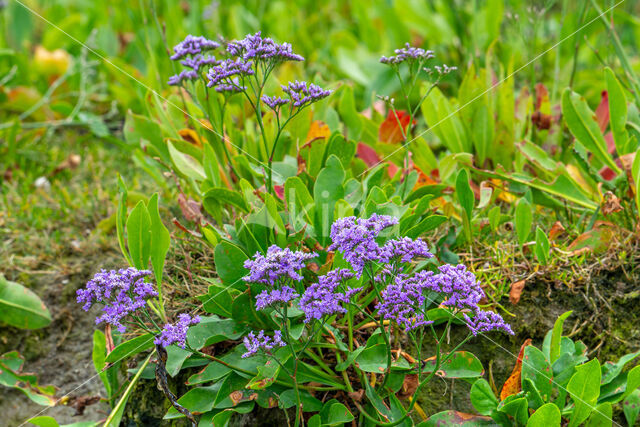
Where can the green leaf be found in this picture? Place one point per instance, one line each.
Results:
(542, 246)
(633, 381)
(175, 358)
(548, 415)
(443, 120)
(494, 217)
(554, 350)
(611, 370)
(116, 414)
(517, 407)
(455, 418)
(218, 300)
(464, 193)
(20, 307)
(139, 236)
(524, 219)
(338, 414)
(617, 111)
(212, 330)
(483, 131)
(160, 239)
(98, 355)
(537, 368)
(462, 364)
(299, 203)
(602, 416)
(584, 388)
(631, 407)
(220, 196)
(45, 421)
(327, 191)
(482, 397)
(309, 403)
(580, 121)
(210, 165)
(229, 260)
(11, 375)
(377, 402)
(186, 164)
(429, 223)
(130, 348)
(138, 129)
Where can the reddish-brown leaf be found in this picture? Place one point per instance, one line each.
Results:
(390, 131)
(556, 230)
(513, 384)
(318, 130)
(516, 291)
(602, 112)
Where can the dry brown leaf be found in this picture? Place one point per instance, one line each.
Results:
(516, 291)
(556, 230)
(513, 384)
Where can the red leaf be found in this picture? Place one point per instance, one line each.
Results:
(390, 131)
(279, 189)
(371, 158)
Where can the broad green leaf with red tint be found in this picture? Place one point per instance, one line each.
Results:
(394, 127)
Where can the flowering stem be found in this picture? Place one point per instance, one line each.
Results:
(285, 326)
(381, 326)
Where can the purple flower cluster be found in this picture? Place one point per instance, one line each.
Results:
(405, 249)
(403, 301)
(485, 321)
(303, 93)
(253, 46)
(177, 79)
(121, 292)
(408, 54)
(274, 102)
(275, 296)
(275, 265)
(190, 51)
(459, 285)
(356, 238)
(226, 71)
(325, 298)
(198, 61)
(255, 343)
(176, 333)
(193, 45)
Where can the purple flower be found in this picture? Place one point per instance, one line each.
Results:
(404, 302)
(324, 298)
(277, 264)
(409, 54)
(177, 79)
(255, 343)
(192, 45)
(485, 321)
(303, 93)
(406, 249)
(356, 239)
(275, 296)
(253, 46)
(176, 333)
(459, 286)
(225, 71)
(198, 61)
(274, 102)
(234, 86)
(121, 292)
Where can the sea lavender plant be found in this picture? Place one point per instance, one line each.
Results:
(261, 342)
(325, 298)
(244, 67)
(413, 59)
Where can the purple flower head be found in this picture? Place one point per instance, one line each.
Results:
(275, 265)
(177, 79)
(459, 287)
(274, 102)
(485, 321)
(234, 86)
(275, 296)
(225, 71)
(303, 93)
(325, 298)
(192, 45)
(356, 238)
(409, 54)
(403, 301)
(176, 333)
(253, 46)
(198, 61)
(405, 249)
(255, 343)
(121, 292)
